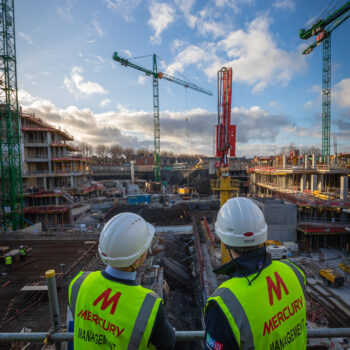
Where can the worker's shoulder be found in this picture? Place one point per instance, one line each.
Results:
(294, 266)
(83, 275)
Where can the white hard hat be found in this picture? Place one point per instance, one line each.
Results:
(240, 223)
(124, 239)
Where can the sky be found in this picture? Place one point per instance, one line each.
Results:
(66, 74)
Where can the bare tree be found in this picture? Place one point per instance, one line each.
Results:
(143, 152)
(86, 149)
(115, 151)
(311, 150)
(101, 151)
(129, 153)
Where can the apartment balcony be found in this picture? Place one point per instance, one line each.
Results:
(36, 160)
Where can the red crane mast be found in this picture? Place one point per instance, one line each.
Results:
(225, 132)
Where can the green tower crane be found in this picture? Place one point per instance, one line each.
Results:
(323, 29)
(156, 122)
(10, 150)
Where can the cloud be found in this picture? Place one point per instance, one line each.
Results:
(341, 93)
(210, 27)
(99, 30)
(315, 89)
(123, 8)
(186, 6)
(284, 5)
(162, 15)
(76, 85)
(177, 44)
(252, 53)
(234, 4)
(141, 80)
(256, 59)
(105, 102)
(190, 55)
(83, 124)
(134, 128)
(127, 52)
(26, 37)
(65, 11)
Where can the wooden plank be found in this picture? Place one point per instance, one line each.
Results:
(35, 288)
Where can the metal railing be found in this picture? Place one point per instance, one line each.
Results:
(181, 336)
(57, 336)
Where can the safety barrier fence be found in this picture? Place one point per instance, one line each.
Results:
(57, 336)
(181, 336)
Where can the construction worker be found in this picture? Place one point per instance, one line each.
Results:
(8, 263)
(110, 310)
(22, 253)
(262, 304)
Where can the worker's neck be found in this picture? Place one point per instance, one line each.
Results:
(234, 254)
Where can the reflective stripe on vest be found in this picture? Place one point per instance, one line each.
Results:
(111, 315)
(268, 314)
(299, 274)
(239, 316)
(75, 291)
(142, 319)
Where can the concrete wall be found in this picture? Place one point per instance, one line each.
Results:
(281, 219)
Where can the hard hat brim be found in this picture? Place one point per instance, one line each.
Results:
(232, 240)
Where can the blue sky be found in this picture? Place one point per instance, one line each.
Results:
(66, 74)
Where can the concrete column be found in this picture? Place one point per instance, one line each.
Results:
(320, 186)
(335, 159)
(344, 187)
(306, 160)
(314, 161)
(284, 181)
(313, 183)
(72, 181)
(284, 161)
(45, 183)
(303, 182)
(132, 166)
(48, 139)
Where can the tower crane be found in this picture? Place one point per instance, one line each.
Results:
(156, 122)
(225, 145)
(10, 150)
(323, 29)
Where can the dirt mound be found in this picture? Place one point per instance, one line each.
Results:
(175, 215)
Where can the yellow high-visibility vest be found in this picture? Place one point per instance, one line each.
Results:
(22, 251)
(8, 260)
(111, 315)
(268, 314)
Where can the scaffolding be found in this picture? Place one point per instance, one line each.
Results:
(10, 151)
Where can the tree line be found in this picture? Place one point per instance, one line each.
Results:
(117, 154)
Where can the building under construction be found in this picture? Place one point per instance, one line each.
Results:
(319, 190)
(55, 175)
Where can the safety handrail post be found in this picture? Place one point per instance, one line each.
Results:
(53, 302)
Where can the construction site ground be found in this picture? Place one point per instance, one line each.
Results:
(174, 252)
(173, 270)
